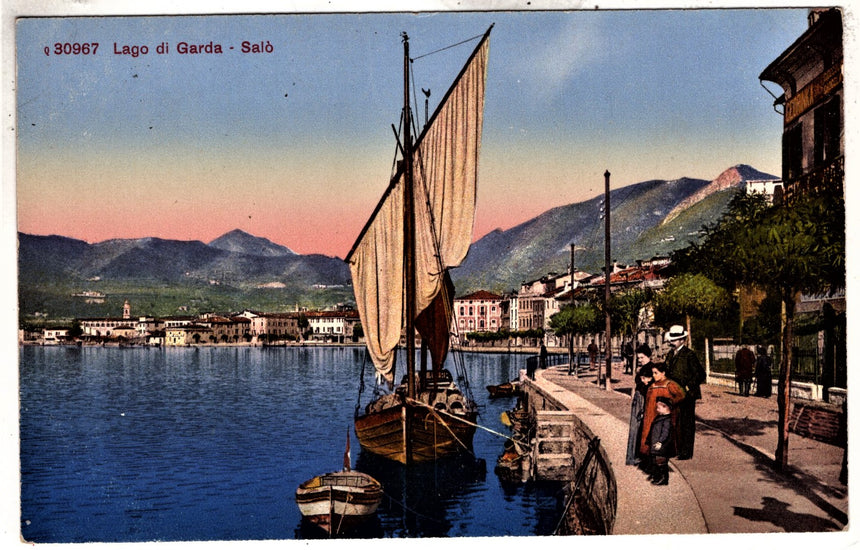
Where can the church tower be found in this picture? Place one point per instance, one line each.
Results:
(126, 310)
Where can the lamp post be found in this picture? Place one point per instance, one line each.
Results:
(608, 275)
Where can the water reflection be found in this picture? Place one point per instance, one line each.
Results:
(123, 445)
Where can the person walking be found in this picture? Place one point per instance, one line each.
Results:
(662, 386)
(627, 353)
(763, 374)
(744, 364)
(637, 407)
(592, 355)
(686, 369)
(543, 356)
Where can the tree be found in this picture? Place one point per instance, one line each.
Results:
(303, 324)
(76, 330)
(626, 312)
(785, 250)
(790, 250)
(626, 309)
(693, 294)
(576, 319)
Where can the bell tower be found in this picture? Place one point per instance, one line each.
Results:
(126, 310)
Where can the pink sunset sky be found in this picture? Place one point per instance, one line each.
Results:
(296, 145)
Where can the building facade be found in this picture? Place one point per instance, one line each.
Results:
(810, 74)
(480, 311)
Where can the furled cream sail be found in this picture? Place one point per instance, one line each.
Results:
(445, 169)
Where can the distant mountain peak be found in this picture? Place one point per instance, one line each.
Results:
(736, 176)
(244, 243)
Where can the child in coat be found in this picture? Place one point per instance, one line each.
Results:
(661, 442)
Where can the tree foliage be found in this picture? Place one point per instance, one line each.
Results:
(785, 250)
(626, 309)
(693, 295)
(579, 319)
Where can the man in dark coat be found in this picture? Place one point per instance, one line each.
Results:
(744, 363)
(685, 369)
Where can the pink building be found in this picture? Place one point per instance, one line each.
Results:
(480, 311)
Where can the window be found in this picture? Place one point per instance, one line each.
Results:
(792, 153)
(462, 310)
(471, 310)
(828, 132)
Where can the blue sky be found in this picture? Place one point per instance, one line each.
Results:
(296, 145)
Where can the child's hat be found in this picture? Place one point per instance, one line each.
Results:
(665, 400)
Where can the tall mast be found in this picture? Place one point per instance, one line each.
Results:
(409, 226)
(408, 253)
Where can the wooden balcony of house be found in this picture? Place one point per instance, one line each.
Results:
(824, 180)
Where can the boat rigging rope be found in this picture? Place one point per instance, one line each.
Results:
(446, 47)
(462, 420)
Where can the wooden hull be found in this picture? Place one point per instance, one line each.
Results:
(340, 501)
(507, 389)
(432, 435)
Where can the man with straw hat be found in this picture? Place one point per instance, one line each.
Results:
(685, 369)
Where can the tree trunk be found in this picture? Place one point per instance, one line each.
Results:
(784, 387)
(689, 332)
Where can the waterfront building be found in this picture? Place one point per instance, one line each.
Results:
(185, 335)
(108, 327)
(479, 311)
(54, 335)
(332, 326)
(513, 312)
(228, 330)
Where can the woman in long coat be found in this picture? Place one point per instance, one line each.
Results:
(763, 375)
(637, 408)
(660, 387)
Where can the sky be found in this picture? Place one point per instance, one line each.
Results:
(296, 145)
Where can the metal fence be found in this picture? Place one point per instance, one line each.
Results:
(806, 364)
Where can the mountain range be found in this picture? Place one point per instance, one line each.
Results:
(238, 270)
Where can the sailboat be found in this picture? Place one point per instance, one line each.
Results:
(399, 264)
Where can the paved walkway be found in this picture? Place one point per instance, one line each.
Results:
(730, 485)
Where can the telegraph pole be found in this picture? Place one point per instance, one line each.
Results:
(608, 260)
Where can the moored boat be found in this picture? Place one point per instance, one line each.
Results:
(338, 502)
(505, 389)
(399, 264)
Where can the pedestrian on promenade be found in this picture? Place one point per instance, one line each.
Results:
(662, 441)
(763, 374)
(592, 355)
(627, 355)
(662, 386)
(637, 408)
(685, 369)
(744, 364)
(543, 355)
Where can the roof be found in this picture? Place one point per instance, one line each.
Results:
(823, 35)
(480, 295)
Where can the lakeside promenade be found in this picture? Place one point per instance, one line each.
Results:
(730, 484)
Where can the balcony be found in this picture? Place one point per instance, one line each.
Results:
(825, 180)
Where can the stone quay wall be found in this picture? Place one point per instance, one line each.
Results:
(598, 490)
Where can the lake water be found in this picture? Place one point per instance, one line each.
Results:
(143, 444)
